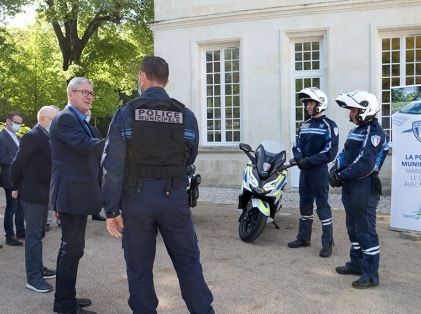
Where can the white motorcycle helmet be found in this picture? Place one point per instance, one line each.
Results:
(364, 101)
(313, 93)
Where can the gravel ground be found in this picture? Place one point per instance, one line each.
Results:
(263, 277)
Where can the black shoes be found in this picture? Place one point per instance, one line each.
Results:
(13, 242)
(345, 270)
(83, 302)
(326, 251)
(98, 217)
(362, 284)
(298, 243)
(48, 273)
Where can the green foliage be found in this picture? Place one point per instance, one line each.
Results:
(33, 76)
(11, 7)
(33, 68)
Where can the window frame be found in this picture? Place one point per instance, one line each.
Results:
(303, 74)
(203, 82)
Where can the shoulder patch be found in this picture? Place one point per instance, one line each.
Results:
(375, 140)
(305, 125)
(336, 130)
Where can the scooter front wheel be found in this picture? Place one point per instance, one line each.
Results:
(252, 224)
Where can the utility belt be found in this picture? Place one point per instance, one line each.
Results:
(193, 190)
(136, 174)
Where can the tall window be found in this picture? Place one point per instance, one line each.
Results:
(223, 95)
(401, 65)
(307, 72)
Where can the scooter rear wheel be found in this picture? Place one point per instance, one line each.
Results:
(252, 224)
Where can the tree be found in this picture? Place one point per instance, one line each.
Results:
(11, 7)
(75, 22)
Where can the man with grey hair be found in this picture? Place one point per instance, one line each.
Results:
(31, 171)
(74, 190)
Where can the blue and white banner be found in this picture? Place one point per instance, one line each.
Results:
(406, 159)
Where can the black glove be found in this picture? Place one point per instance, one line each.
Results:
(335, 179)
(303, 163)
(293, 161)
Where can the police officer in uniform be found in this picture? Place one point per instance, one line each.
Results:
(317, 145)
(150, 142)
(356, 170)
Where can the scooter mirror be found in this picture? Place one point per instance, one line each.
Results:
(245, 147)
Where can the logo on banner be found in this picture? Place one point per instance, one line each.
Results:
(416, 129)
(375, 140)
(416, 214)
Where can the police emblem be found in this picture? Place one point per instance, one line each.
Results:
(375, 140)
(336, 131)
(416, 129)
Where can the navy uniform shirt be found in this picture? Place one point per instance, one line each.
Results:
(115, 149)
(317, 141)
(364, 152)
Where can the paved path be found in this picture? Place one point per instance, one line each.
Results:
(290, 198)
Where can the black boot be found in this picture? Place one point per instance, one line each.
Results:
(298, 243)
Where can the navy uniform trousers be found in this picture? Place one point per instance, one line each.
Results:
(144, 212)
(360, 208)
(314, 185)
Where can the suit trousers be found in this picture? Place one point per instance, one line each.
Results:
(73, 229)
(13, 209)
(36, 221)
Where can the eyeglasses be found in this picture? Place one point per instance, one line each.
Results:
(15, 122)
(84, 92)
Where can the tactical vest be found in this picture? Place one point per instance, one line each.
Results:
(157, 149)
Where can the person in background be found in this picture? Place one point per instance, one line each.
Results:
(356, 169)
(31, 172)
(9, 144)
(317, 145)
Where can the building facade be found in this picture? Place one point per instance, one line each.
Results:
(240, 64)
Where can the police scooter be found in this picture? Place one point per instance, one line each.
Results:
(193, 185)
(264, 180)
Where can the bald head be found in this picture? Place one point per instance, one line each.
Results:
(45, 115)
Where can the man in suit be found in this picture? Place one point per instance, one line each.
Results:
(97, 134)
(9, 144)
(74, 190)
(31, 172)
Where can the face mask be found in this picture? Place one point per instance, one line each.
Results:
(15, 127)
(139, 91)
(88, 118)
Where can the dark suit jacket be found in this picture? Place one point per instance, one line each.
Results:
(75, 158)
(97, 134)
(31, 168)
(8, 149)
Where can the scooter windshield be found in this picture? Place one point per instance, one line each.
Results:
(270, 156)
